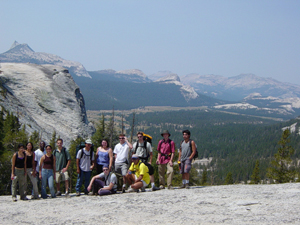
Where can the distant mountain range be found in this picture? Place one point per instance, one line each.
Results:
(238, 87)
(127, 89)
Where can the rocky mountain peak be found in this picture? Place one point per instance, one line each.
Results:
(169, 78)
(22, 53)
(20, 48)
(133, 72)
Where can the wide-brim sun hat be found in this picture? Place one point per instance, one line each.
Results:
(165, 132)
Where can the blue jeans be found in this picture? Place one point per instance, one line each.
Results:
(47, 175)
(83, 176)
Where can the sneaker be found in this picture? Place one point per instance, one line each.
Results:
(32, 197)
(131, 190)
(24, 198)
(91, 193)
(170, 188)
(14, 199)
(86, 192)
(143, 189)
(161, 187)
(154, 188)
(123, 189)
(58, 193)
(77, 193)
(67, 194)
(187, 186)
(182, 186)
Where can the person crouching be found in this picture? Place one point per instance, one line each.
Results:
(138, 175)
(105, 183)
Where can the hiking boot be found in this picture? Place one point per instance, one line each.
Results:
(77, 193)
(182, 186)
(170, 188)
(67, 194)
(154, 188)
(58, 193)
(14, 198)
(187, 186)
(161, 187)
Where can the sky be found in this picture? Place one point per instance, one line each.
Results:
(220, 37)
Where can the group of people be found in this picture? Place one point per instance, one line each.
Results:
(46, 166)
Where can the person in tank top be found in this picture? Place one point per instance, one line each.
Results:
(104, 156)
(47, 172)
(18, 173)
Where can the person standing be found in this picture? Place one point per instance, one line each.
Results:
(121, 152)
(63, 161)
(186, 153)
(39, 153)
(18, 173)
(143, 150)
(47, 172)
(31, 171)
(85, 165)
(166, 150)
(104, 156)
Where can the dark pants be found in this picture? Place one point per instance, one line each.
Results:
(83, 176)
(100, 184)
(99, 168)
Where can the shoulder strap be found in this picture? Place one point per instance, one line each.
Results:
(81, 153)
(159, 145)
(136, 147)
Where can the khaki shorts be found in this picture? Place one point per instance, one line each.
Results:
(59, 176)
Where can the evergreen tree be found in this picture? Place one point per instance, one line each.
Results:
(204, 177)
(53, 140)
(35, 138)
(280, 169)
(73, 168)
(229, 179)
(13, 135)
(1, 131)
(99, 135)
(255, 178)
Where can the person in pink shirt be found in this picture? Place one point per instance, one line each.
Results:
(166, 150)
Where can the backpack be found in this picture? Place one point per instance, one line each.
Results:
(190, 143)
(81, 146)
(147, 138)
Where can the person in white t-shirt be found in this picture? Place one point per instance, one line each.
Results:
(38, 155)
(85, 164)
(121, 152)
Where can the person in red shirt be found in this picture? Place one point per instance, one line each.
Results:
(166, 150)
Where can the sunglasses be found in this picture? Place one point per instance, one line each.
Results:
(140, 136)
(105, 169)
(121, 138)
